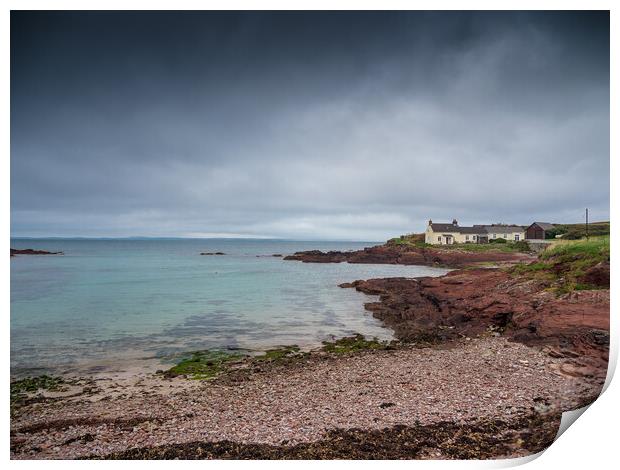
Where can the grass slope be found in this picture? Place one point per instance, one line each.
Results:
(568, 262)
(578, 231)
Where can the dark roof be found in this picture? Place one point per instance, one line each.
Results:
(503, 228)
(445, 228)
(474, 230)
(477, 229)
(544, 225)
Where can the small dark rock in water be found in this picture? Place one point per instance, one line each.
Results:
(388, 404)
(30, 251)
(211, 254)
(277, 255)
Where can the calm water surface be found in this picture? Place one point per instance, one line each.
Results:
(111, 301)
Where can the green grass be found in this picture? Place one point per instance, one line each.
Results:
(532, 267)
(566, 263)
(412, 243)
(578, 231)
(594, 249)
(416, 240)
(508, 247)
(413, 240)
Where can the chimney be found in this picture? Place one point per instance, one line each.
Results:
(430, 221)
(455, 222)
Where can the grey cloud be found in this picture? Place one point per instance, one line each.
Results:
(354, 126)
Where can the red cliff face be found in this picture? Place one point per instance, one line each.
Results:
(385, 254)
(490, 301)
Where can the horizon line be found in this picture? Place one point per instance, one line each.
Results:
(140, 237)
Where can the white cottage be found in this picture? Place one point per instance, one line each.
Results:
(448, 234)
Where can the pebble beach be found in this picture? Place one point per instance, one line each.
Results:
(287, 405)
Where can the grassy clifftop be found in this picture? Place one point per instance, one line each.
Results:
(578, 231)
(572, 264)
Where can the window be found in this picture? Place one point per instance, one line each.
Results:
(516, 237)
(474, 237)
(505, 236)
(439, 238)
(467, 237)
(495, 235)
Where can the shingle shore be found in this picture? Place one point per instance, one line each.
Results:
(301, 402)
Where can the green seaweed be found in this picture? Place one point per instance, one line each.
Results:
(280, 353)
(352, 344)
(203, 365)
(206, 365)
(21, 388)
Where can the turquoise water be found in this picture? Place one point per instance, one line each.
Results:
(107, 301)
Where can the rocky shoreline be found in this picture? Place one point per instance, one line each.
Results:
(469, 303)
(397, 254)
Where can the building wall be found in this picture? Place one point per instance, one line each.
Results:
(432, 237)
(534, 232)
(510, 236)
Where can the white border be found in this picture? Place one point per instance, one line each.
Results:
(591, 443)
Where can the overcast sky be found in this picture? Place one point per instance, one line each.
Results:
(356, 126)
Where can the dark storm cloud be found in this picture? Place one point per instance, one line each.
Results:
(329, 125)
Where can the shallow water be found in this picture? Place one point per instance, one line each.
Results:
(107, 301)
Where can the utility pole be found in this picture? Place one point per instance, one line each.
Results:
(587, 237)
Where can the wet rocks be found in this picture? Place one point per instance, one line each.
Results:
(475, 302)
(388, 254)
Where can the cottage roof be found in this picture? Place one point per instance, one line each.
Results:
(503, 228)
(474, 230)
(477, 229)
(445, 228)
(544, 225)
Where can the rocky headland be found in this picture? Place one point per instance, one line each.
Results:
(399, 254)
(470, 303)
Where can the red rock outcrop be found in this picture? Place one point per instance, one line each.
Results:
(395, 254)
(597, 275)
(467, 303)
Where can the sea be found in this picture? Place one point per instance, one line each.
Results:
(140, 304)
